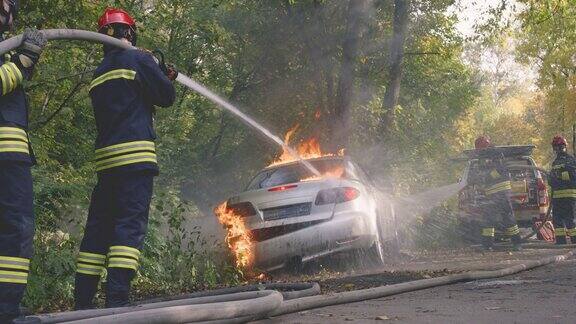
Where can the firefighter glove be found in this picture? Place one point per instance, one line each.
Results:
(171, 72)
(33, 42)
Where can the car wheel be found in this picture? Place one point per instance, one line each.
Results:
(388, 231)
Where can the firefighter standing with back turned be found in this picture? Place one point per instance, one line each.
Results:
(16, 159)
(562, 179)
(127, 86)
(493, 178)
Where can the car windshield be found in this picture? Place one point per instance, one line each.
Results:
(291, 173)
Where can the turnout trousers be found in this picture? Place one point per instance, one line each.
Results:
(499, 213)
(114, 234)
(563, 219)
(16, 235)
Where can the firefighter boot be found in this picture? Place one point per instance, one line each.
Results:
(571, 232)
(118, 287)
(560, 234)
(85, 291)
(488, 238)
(516, 242)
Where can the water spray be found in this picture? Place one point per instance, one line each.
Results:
(75, 34)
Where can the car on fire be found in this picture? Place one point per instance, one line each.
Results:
(294, 217)
(529, 198)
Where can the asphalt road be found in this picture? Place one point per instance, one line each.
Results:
(542, 295)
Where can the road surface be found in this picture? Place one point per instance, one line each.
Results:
(542, 295)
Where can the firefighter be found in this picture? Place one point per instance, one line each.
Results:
(127, 85)
(563, 182)
(493, 179)
(16, 160)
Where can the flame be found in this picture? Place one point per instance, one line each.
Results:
(307, 149)
(237, 237)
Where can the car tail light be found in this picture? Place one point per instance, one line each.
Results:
(245, 209)
(336, 195)
(542, 193)
(282, 188)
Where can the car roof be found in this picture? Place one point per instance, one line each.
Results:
(506, 151)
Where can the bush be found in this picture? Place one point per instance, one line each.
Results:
(174, 260)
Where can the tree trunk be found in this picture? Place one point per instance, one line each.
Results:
(358, 11)
(396, 57)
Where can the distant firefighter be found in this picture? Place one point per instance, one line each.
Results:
(563, 182)
(493, 180)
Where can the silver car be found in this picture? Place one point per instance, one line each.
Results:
(294, 218)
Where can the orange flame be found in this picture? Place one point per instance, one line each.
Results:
(307, 149)
(237, 237)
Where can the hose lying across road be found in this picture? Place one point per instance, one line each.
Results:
(243, 304)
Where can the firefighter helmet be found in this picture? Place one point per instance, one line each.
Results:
(115, 16)
(482, 142)
(119, 24)
(559, 140)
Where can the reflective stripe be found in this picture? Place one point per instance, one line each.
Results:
(125, 249)
(489, 232)
(514, 230)
(88, 269)
(113, 75)
(565, 176)
(93, 257)
(124, 154)
(90, 263)
(560, 231)
(126, 263)
(91, 260)
(13, 140)
(564, 193)
(11, 77)
(499, 187)
(123, 257)
(14, 263)
(125, 147)
(571, 232)
(13, 277)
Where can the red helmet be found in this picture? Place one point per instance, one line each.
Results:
(559, 141)
(115, 16)
(482, 142)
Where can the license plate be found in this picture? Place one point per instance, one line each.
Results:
(289, 211)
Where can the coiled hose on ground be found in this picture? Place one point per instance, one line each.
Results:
(241, 304)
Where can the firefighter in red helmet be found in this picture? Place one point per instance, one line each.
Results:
(494, 182)
(562, 180)
(127, 87)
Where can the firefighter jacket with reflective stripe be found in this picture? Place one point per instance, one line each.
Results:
(493, 178)
(14, 143)
(126, 87)
(563, 176)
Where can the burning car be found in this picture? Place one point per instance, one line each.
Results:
(291, 216)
